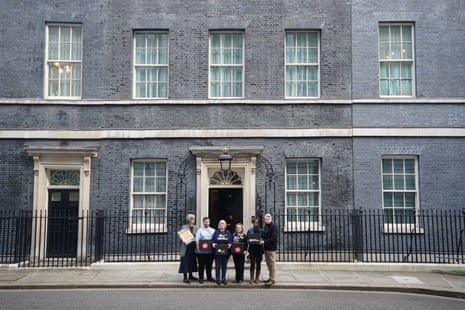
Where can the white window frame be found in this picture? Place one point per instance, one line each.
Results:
(296, 226)
(210, 65)
(134, 65)
(310, 64)
(402, 228)
(47, 61)
(144, 228)
(412, 61)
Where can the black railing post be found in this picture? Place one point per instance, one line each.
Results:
(99, 234)
(412, 233)
(460, 242)
(357, 234)
(270, 184)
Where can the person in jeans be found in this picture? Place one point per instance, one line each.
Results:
(204, 255)
(270, 242)
(221, 236)
(255, 251)
(239, 258)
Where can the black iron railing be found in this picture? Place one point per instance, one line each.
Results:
(38, 239)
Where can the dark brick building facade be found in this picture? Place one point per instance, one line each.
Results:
(358, 138)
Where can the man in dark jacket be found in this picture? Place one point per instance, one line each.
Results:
(270, 241)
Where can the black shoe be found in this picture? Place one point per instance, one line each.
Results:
(210, 280)
(201, 281)
(187, 281)
(193, 278)
(224, 282)
(218, 282)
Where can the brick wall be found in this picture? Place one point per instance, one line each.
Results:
(438, 48)
(107, 37)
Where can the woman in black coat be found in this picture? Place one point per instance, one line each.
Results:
(188, 259)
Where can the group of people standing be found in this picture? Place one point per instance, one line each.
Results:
(208, 244)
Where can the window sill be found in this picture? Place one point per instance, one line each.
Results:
(147, 229)
(303, 227)
(150, 98)
(302, 98)
(62, 98)
(402, 229)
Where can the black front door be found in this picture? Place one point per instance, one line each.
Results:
(225, 204)
(62, 230)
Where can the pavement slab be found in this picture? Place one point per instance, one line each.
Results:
(289, 276)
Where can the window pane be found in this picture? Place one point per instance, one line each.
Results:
(150, 169)
(150, 202)
(141, 74)
(406, 70)
(237, 40)
(399, 182)
(313, 167)
(407, 87)
(138, 184)
(398, 166)
(387, 182)
(410, 182)
(140, 90)
(52, 50)
(313, 199)
(291, 199)
(388, 201)
(75, 88)
(384, 71)
(138, 202)
(302, 200)
(302, 167)
(384, 51)
(398, 200)
(384, 34)
(140, 56)
(163, 56)
(389, 216)
(291, 182)
(410, 200)
(395, 33)
(314, 183)
(313, 39)
(161, 186)
(238, 89)
(387, 165)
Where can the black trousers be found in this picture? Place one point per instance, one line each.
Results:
(205, 263)
(256, 262)
(239, 260)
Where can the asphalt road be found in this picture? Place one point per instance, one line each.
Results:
(222, 299)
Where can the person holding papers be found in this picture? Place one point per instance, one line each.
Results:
(188, 260)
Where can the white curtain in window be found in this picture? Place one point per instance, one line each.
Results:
(226, 60)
